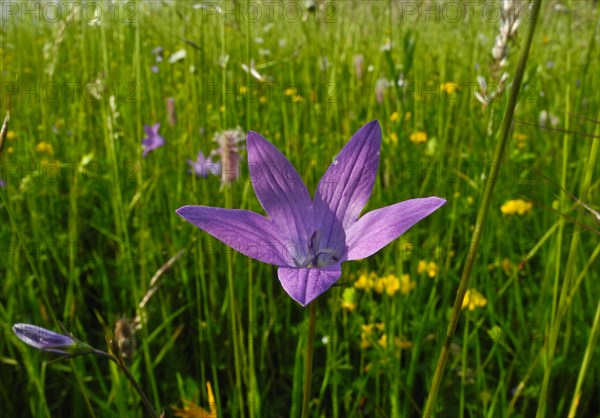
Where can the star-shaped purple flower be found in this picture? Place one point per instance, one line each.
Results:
(153, 140)
(309, 238)
(202, 167)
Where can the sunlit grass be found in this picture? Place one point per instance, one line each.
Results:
(86, 221)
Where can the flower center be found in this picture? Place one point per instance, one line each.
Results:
(317, 255)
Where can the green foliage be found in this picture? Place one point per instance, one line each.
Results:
(87, 222)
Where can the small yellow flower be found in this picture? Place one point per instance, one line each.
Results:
(470, 200)
(380, 326)
(367, 329)
(449, 87)
(418, 137)
(406, 285)
(290, 91)
(298, 99)
(349, 299)
(392, 285)
(431, 268)
(262, 100)
(243, 89)
(10, 150)
(393, 138)
(519, 136)
(348, 305)
(191, 410)
(474, 299)
(365, 281)
(222, 109)
(379, 285)
(11, 135)
(383, 341)
(507, 266)
(44, 147)
(394, 117)
(406, 246)
(407, 116)
(519, 206)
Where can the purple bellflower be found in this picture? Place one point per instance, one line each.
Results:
(309, 238)
(50, 341)
(153, 140)
(202, 167)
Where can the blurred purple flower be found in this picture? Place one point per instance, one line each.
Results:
(50, 341)
(358, 65)
(202, 167)
(379, 89)
(153, 140)
(229, 152)
(171, 111)
(2, 183)
(154, 69)
(309, 238)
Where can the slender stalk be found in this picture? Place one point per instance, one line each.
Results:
(482, 214)
(309, 358)
(585, 363)
(129, 376)
(232, 306)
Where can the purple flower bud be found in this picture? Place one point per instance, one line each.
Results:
(50, 341)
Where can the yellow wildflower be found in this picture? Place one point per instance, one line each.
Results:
(44, 147)
(379, 285)
(418, 137)
(243, 89)
(474, 299)
(350, 306)
(392, 285)
(407, 116)
(394, 117)
(262, 100)
(431, 268)
(349, 299)
(365, 281)
(507, 266)
(449, 87)
(290, 91)
(406, 285)
(367, 329)
(222, 109)
(519, 206)
(11, 135)
(191, 410)
(10, 150)
(393, 138)
(470, 200)
(298, 99)
(383, 340)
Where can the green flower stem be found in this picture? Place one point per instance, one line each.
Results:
(309, 357)
(585, 363)
(233, 315)
(129, 376)
(483, 212)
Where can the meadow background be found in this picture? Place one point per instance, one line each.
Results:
(86, 221)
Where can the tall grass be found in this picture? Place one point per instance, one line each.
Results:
(86, 226)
